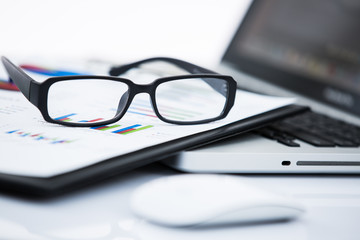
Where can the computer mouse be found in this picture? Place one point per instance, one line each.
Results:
(209, 199)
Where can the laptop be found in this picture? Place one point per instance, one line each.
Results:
(304, 49)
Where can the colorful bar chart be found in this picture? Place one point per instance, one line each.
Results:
(105, 127)
(116, 128)
(65, 118)
(132, 130)
(126, 129)
(123, 130)
(39, 137)
(142, 107)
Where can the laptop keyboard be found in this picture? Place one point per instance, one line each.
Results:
(314, 128)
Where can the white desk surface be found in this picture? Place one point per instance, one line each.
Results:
(102, 212)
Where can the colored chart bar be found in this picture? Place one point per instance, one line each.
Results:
(125, 131)
(105, 127)
(144, 114)
(94, 120)
(127, 128)
(137, 129)
(39, 136)
(65, 117)
(12, 131)
(8, 86)
(48, 71)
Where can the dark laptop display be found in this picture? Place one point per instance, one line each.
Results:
(310, 46)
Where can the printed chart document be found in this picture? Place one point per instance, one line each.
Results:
(30, 146)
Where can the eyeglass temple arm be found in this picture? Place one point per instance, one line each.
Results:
(191, 68)
(19, 77)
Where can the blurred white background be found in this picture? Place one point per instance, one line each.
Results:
(193, 30)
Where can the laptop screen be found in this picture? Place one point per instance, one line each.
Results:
(310, 46)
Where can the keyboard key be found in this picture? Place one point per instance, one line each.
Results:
(288, 142)
(280, 136)
(304, 135)
(314, 128)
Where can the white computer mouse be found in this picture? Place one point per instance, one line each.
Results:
(209, 199)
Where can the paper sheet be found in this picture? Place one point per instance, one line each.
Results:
(32, 147)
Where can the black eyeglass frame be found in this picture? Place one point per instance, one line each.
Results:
(37, 93)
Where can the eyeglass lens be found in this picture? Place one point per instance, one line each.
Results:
(188, 100)
(98, 100)
(85, 100)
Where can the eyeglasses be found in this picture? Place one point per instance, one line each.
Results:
(201, 97)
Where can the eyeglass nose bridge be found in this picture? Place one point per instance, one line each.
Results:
(143, 88)
(136, 89)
